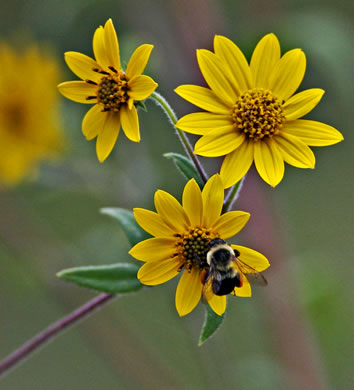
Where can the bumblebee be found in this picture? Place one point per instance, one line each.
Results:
(226, 271)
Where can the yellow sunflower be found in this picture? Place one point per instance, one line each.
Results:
(112, 89)
(30, 129)
(182, 234)
(252, 112)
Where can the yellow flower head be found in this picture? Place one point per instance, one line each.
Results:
(252, 115)
(182, 236)
(112, 90)
(29, 123)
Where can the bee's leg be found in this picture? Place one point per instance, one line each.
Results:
(216, 286)
(204, 276)
(238, 280)
(198, 260)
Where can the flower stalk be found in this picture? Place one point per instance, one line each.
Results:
(162, 102)
(52, 332)
(233, 195)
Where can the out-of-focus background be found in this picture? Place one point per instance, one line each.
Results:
(294, 334)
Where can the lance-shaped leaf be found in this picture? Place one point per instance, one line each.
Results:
(211, 325)
(186, 167)
(113, 278)
(127, 221)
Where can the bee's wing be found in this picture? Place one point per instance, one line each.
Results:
(251, 274)
(207, 292)
(257, 278)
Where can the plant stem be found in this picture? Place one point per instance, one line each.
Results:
(52, 331)
(232, 195)
(162, 102)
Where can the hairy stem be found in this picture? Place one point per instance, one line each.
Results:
(52, 331)
(232, 195)
(162, 102)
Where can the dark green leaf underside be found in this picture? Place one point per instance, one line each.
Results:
(127, 221)
(113, 278)
(186, 167)
(211, 324)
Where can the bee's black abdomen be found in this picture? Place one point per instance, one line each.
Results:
(226, 285)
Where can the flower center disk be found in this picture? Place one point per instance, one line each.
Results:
(258, 114)
(113, 91)
(193, 246)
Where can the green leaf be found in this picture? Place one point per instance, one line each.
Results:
(210, 326)
(186, 167)
(113, 278)
(128, 223)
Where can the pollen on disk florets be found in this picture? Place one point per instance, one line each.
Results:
(112, 89)
(258, 114)
(193, 246)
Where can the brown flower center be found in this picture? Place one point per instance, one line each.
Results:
(193, 246)
(258, 114)
(112, 89)
(15, 116)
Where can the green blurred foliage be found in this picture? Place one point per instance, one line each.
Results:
(53, 222)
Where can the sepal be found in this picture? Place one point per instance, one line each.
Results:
(141, 104)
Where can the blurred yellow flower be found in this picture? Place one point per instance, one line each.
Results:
(182, 236)
(111, 89)
(252, 115)
(29, 125)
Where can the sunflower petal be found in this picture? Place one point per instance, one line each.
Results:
(78, 91)
(158, 272)
(236, 63)
(230, 223)
(141, 87)
(202, 122)
(99, 47)
(313, 133)
(219, 142)
(154, 249)
(111, 44)
(171, 211)
(218, 304)
(214, 74)
(294, 151)
(302, 103)
(130, 123)
(107, 137)
(193, 203)
(93, 122)
(213, 198)
(189, 291)
(204, 98)
(269, 162)
(252, 258)
(264, 57)
(82, 65)
(138, 61)
(245, 290)
(288, 74)
(152, 223)
(237, 164)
